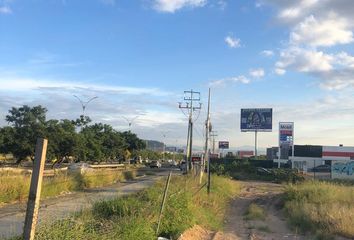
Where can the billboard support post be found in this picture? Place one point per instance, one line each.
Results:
(255, 143)
(279, 153)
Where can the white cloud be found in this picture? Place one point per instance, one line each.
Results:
(233, 42)
(171, 6)
(327, 32)
(315, 26)
(279, 71)
(223, 82)
(241, 79)
(267, 53)
(304, 60)
(344, 59)
(5, 10)
(257, 73)
(25, 84)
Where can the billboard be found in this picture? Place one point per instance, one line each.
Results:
(286, 133)
(256, 119)
(223, 145)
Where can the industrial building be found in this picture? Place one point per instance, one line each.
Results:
(308, 157)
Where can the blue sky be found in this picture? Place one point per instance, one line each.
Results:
(139, 56)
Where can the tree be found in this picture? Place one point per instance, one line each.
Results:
(134, 143)
(62, 138)
(29, 124)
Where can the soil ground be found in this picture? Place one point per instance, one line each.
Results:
(273, 227)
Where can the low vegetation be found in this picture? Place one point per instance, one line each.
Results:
(321, 208)
(15, 187)
(136, 216)
(255, 212)
(245, 170)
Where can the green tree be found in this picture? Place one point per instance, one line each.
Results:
(29, 124)
(134, 143)
(62, 138)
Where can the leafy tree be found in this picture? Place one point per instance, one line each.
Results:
(96, 142)
(134, 143)
(28, 125)
(83, 121)
(62, 138)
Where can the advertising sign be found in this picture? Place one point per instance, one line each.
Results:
(286, 133)
(256, 119)
(223, 145)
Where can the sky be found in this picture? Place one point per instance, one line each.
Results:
(138, 57)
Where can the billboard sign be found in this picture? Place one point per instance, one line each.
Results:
(286, 133)
(256, 119)
(223, 145)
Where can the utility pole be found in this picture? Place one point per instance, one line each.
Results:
(213, 135)
(206, 146)
(189, 98)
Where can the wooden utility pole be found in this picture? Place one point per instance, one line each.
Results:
(206, 146)
(190, 97)
(35, 190)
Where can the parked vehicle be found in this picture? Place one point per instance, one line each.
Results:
(173, 163)
(263, 171)
(322, 168)
(183, 166)
(155, 164)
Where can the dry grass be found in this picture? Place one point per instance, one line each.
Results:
(135, 216)
(15, 186)
(321, 207)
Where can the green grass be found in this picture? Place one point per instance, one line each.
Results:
(254, 212)
(136, 216)
(15, 186)
(322, 208)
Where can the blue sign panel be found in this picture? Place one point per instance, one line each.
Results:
(256, 119)
(223, 145)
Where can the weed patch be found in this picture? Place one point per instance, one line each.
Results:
(321, 208)
(135, 216)
(254, 212)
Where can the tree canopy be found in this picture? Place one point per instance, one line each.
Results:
(77, 139)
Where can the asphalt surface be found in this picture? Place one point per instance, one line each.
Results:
(12, 215)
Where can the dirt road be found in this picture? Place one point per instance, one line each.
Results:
(12, 216)
(274, 226)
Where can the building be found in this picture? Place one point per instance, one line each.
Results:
(245, 154)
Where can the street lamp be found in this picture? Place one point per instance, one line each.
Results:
(164, 146)
(130, 121)
(84, 104)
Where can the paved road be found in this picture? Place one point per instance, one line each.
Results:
(12, 216)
